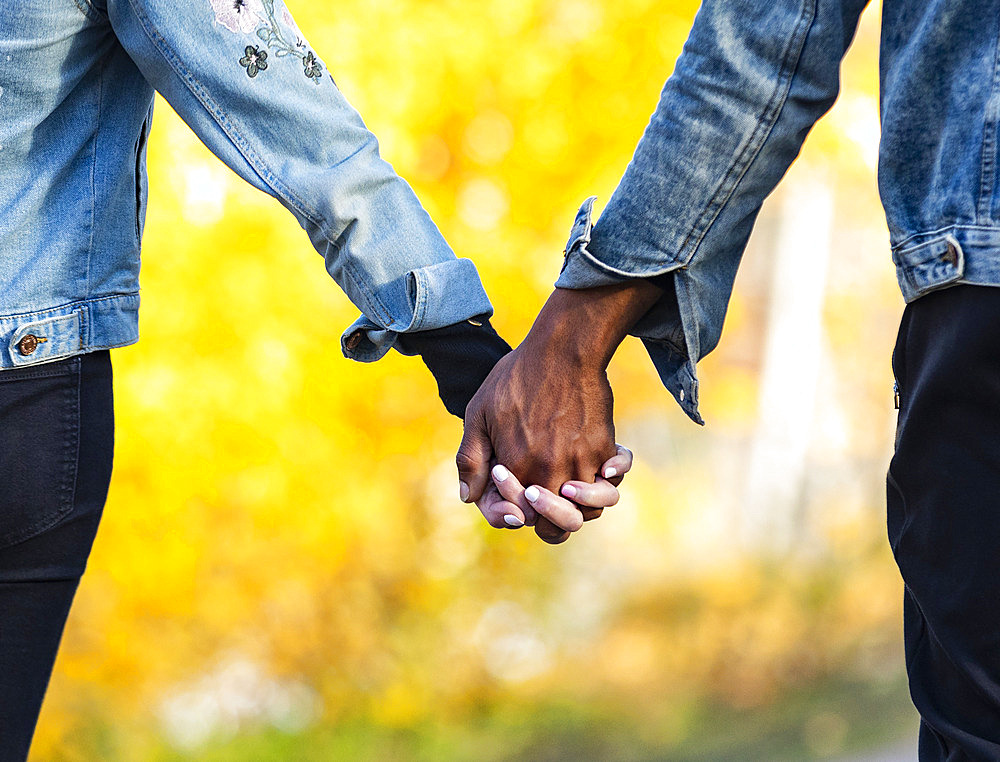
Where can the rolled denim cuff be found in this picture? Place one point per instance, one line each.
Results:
(661, 329)
(579, 272)
(580, 268)
(438, 295)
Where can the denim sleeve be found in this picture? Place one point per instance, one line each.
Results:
(241, 75)
(753, 78)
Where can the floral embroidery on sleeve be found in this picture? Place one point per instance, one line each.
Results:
(238, 15)
(245, 16)
(313, 68)
(254, 61)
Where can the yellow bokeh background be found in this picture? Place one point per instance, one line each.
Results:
(283, 556)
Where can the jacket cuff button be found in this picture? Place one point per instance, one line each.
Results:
(28, 344)
(353, 340)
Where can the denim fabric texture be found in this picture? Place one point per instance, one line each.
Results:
(753, 78)
(56, 446)
(77, 79)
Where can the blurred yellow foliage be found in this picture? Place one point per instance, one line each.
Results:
(286, 522)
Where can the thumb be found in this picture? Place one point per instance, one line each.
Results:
(473, 460)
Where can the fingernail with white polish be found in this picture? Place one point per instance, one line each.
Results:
(532, 494)
(610, 472)
(500, 473)
(463, 492)
(568, 490)
(513, 521)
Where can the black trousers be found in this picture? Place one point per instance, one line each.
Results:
(56, 443)
(944, 517)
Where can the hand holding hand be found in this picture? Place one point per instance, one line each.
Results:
(545, 412)
(542, 413)
(506, 504)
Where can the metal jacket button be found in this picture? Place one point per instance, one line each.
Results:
(353, 340)
(29, 344)
(951, 255)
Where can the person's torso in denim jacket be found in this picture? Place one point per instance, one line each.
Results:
(753, 78)
(76, 91)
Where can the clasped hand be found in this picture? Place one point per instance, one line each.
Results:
(539, 422)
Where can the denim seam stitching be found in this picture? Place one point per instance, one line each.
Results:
(87, 9)
(92, 300)
(83, 335)
(989, 157)
(765, 124)
(259, 166)
(671, 267)
(907, 276)
(163, 48)
(945, 229)
(420, 304)
(693, 342)
(93, 172)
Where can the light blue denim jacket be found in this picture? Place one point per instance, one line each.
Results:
(753, 77)
(76, 93)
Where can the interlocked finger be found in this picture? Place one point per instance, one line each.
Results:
(617, 466)
(558, 510)
(589, 496)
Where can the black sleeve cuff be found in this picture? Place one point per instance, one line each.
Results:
(460, 357)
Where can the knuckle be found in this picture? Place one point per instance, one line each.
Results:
(545, 528)
(543, 467)
(465, 461)
(494, 521)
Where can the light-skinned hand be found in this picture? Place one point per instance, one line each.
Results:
(506, 504)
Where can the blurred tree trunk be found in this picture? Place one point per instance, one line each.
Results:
(770, 520)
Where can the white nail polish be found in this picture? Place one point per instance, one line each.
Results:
(610, 472)
(512, 521)
(569, 490)
(463, 492)
(532, 494)
(500, 473)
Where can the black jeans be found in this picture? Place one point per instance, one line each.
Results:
(56, 443)
(944, 517)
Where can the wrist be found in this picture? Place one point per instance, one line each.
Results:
(582, 328)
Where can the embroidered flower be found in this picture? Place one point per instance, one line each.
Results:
(312, 68)
(254, 61)
(239, 15)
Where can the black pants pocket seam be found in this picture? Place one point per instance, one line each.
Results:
(69, 432)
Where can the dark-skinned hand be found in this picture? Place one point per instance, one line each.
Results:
(545, 411)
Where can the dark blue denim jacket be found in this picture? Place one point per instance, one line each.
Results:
(753, 77)
(76, 93)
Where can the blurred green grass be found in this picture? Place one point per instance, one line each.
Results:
(826, 720)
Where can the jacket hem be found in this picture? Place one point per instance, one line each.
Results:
(68, 330)
(960, 254)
